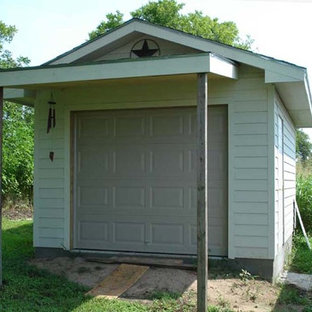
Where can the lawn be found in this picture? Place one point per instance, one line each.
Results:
(301, 258)
(27, 288)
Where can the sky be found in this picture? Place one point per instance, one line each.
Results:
(46, 28)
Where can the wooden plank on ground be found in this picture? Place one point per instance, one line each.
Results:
(157, 262)
(121, 279)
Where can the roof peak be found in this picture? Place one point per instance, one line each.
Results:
(135, 19)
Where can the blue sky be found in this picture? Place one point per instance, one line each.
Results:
(281, 28)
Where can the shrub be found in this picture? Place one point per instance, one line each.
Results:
(18, 146)
(304, 199)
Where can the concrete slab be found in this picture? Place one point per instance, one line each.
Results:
(302, 281)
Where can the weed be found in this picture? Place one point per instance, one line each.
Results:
(164, 295)
(292, 295)
(246, 276)
(223, 303)
(301, 257)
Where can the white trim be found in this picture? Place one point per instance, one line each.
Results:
(20, 96)
(107, 70)
(223, 67)
(67, 179)
(271, 173)
(95, 45)
(231, 225)
(189, 64)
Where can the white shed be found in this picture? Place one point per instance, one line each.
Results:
(117, 175)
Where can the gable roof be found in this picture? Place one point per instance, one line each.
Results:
(136, 25)
(290, 80)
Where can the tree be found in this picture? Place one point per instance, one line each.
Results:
(17, 135)
(303, 146)
(168, 13)
(17, 174)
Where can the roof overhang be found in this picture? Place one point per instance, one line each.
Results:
(296, 97)
(20, 96)
(33, 77)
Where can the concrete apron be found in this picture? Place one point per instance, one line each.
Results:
(301, 281)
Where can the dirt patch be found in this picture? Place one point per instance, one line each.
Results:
(77, 269)
(157, 280)
(251, 295)
(224, 290)
(17, 210)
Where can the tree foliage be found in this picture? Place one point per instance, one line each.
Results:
(18, 131)
(303, 146)
(168, 13)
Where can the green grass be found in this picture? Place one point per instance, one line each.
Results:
(301, 257)
(27, 288)
(292, 295)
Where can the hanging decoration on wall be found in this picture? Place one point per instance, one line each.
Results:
(51, 156)
(51, 116)
(145, 48)
(51, 121)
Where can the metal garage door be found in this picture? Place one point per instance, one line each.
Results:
(135, 180)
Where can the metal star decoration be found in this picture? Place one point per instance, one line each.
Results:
(145, 51)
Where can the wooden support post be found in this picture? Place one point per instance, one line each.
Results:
(202, 192)
(1, 121)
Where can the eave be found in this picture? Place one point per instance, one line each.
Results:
(33, 77)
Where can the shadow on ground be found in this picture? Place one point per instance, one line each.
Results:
(290, 297)
(27, 288)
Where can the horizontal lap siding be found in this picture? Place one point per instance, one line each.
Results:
(249, 161)
(49, 177)
(248, 150)
(284, 216)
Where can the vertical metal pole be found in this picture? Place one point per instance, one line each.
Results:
(1, 127)
(202, 192)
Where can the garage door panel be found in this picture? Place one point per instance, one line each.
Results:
(129, 161)
(168, 234)
(94, 230)
(166, 126)
(129, 197)
(128, 126)
(100, 162)
(166, 160)
(136, 183)
(125, 232)
(93, 128)
(92, 196)
(166, 197)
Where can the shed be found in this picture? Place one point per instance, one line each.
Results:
(118, 172)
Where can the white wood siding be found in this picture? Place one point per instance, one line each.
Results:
(249, 167)
(285, 173)
(250, 220)
(49, 205)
